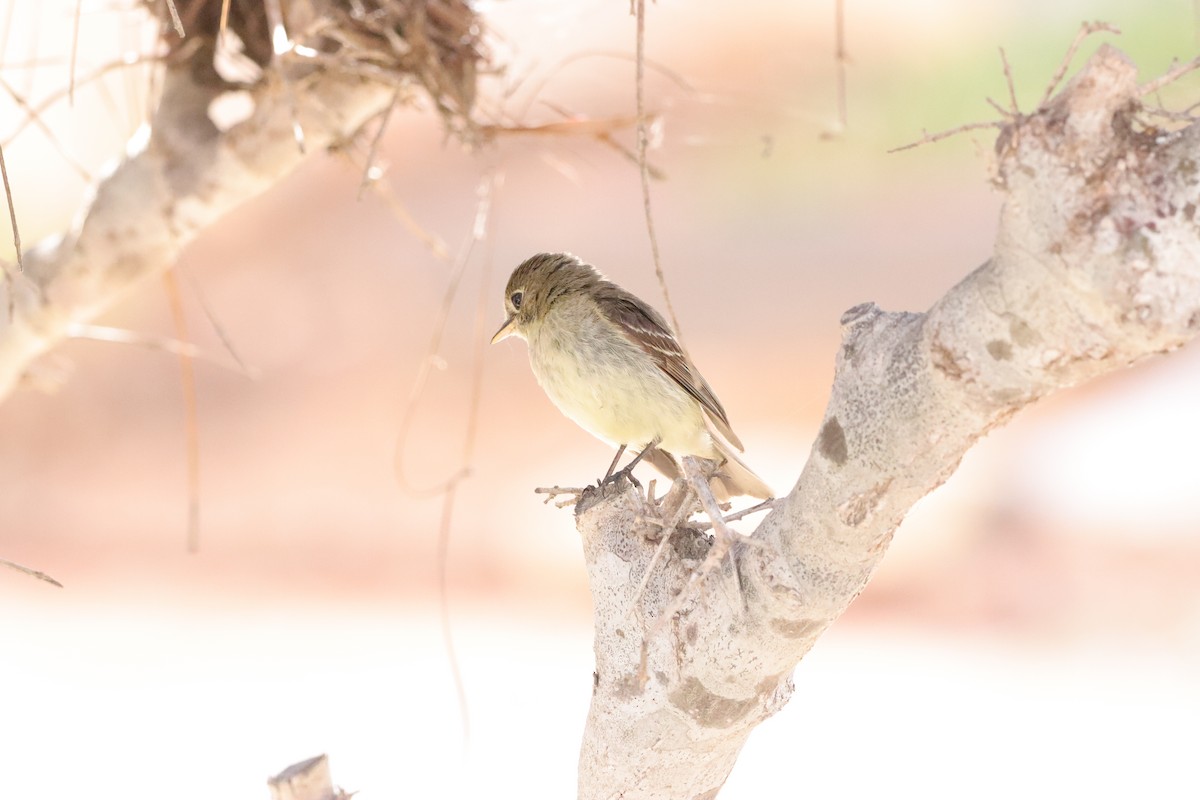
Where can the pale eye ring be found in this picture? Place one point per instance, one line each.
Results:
(516, 300)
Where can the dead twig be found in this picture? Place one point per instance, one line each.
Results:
(554, 492)
(468, 453)
(41, 576)
(642, 142)
(840, 59)
(282, 44)
(1015, 110)
(104, 333)
(45, 129)
(1172, 75)
(218, 328)
(370, 172)
(669, 528)
(176, 23)
(187, 382)
(12, 217)
(436, 246)
(557, 69)
(937, 137)
(74, 53)
(765, 505)
(722, 544)
(449, 487)
(478, 231)
(605, 137)
(1085, 30)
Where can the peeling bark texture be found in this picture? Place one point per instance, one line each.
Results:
(316, 76)
(1096, 265)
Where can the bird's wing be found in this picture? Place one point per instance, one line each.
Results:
(644, 326)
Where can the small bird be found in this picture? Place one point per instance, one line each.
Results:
(611, 363)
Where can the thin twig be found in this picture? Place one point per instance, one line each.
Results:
(44, 128)
(723, 540)
(41, 576)
(12, 216)
(765, 505)
(1172, 75)
(655, 173)
(558, 67)
(937, 137)
(468, 454)
(74, 54)
(1001, 110)
(281, 44)
(1085, 30)
(103, 333)
(840, 59)
(642, 140)
(443, 560)
(1187, 115)
(187, 382)
(436, 246)
(218, 328)
(478, 230)
(367, 177)
(578, 125)
(8, 17)
(176, 22)
(31, 38)
(480, 336)
(449, 487)
(685, 508)
(1008, 80)
(552, 492)
(224, 17)
(574, 125)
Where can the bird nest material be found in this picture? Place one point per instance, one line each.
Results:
(436, 43)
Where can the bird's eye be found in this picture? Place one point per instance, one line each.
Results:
(516, 300)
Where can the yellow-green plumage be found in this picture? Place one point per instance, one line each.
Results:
(610, 363)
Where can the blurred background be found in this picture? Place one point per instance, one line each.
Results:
(1035, 630)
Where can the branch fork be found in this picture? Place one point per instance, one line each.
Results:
(1096, 266)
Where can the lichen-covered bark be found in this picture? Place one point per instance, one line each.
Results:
(1096, 265)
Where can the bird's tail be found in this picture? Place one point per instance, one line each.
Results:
(736, 478)
(731, 479)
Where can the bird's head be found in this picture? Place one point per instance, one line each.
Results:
(536, 285)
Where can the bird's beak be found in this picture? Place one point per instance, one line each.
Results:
(506, 330)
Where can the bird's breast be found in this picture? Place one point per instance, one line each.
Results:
(610, 386)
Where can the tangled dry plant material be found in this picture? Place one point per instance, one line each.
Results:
(439, 43)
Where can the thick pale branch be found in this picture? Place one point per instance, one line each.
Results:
(185, 176)
(1096, 265)
(316, 71)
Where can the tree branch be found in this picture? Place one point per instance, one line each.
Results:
(343, 68)
(1096, 265)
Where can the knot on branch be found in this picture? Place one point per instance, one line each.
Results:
(1105, 199)
(1085, 121)
(861, 314)
(1097, 98)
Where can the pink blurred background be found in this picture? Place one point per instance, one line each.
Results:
(1035, 629)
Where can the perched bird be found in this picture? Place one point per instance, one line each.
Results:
(611, 363)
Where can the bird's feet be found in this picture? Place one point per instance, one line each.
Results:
(612, 477)
(625, 473)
